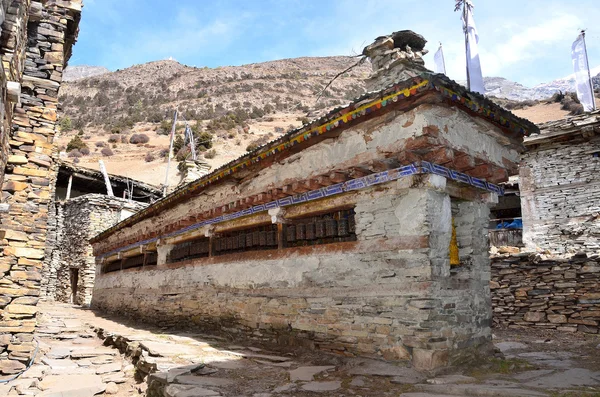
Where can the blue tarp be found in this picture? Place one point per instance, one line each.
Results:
(515, 224)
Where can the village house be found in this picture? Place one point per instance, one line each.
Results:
(81, 209)
(363, 232)
(35, 45)
(560, 186)
(554, 282)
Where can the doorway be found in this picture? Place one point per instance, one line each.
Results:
(74, 282)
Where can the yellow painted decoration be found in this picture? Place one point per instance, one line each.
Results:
(454, 258)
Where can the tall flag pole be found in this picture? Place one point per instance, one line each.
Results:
(166, 186)
(581, 67)
(474, 75)
(440, 63)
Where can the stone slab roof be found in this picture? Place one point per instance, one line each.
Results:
(582, 126)
(69, 168)
(371, 103)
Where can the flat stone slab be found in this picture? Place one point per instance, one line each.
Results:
(308, 373)
(59, 364)
(556, 360)
(277, 359)
(71, 386)
(162, 349)
(322, 386)
(202, 381)
(425, 395)
(93, 352)
(451, 379)
(528, 375)
(104, 359)
(574, 377)
(480, 391)
(108, 368)
(59, 352)
(380, 368)
(189, 391)
(508, 346)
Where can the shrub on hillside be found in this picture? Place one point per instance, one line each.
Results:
(107, 152)
(76, 143)
(183, 153)
(65, 124)
(100, 144)
(139, 138)
(84, 151)
(211, 154)
(163, 153)
(124, 139)
(114, 138)
(75, 153)
(149, 158)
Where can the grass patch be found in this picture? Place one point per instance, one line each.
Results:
(501, 366)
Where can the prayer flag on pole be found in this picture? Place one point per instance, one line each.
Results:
(438, 59)
(474, 75)
(585, 91)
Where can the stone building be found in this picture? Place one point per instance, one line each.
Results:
(339, 235)
(560, 186)
(35, 45)
(81, 209)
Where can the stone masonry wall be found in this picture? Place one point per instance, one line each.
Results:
(80, 219)
(560, 198)
(36, 44)
(562, 294)
(387, 295)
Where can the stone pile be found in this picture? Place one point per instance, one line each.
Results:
(395, 57)
(36, 43)
(561, 294)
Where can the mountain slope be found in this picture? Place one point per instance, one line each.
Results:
(73, 73)
(502, 88)
(235, 106)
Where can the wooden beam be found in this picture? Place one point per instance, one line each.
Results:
(69, 187)
(109, 190)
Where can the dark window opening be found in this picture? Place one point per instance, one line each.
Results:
(134, 261)
(151, 259)
(112, 266)
(189, 250)
(333, 227)
(256, 238)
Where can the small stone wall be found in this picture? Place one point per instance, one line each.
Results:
(561, 294)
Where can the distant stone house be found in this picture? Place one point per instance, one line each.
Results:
(80, 210)
(362, 233)
(560, 186)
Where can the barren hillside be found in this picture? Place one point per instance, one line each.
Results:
(230, 108)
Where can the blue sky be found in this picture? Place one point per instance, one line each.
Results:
(523, 40)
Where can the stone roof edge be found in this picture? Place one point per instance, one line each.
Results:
(118, 178)
(455, 92)
(560, 128)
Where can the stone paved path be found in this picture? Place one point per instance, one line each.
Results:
(85, 354)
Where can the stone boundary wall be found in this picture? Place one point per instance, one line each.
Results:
(532, 292)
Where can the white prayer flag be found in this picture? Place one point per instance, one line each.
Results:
(473, 64)
(582, 74)
(438, 59)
